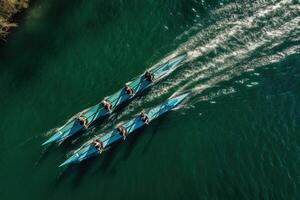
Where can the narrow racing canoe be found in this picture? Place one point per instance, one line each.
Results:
(109, 138)
(97, 111)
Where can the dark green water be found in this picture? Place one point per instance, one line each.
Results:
(237, 137)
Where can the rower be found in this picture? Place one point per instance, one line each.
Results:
(144, 118)
(98, 145)
(148, 76)
(122, 131)
(107, 104)
(83, 121)
(128, 89)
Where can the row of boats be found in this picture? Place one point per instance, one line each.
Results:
(88, 117)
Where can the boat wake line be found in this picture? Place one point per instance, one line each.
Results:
(239, 39)
(233, 44)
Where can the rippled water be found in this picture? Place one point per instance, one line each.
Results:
(235, 138)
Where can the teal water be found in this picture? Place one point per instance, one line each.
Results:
(237, 137)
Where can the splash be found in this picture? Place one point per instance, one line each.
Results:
(241, 44)
(232, 44)
(239, 47)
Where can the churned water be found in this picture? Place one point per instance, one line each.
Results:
(236, 137)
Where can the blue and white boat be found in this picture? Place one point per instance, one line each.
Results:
(97, 111)
(109, 138)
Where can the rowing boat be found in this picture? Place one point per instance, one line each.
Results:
(97, 111)
(111, 137)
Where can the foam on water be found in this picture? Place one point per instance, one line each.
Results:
(233, 44)
(238, 40)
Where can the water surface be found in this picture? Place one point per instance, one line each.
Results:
(235, 138)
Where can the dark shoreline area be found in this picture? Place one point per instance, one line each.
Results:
(15, 18)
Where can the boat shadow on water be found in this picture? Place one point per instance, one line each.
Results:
(109, 159)
(83, 134)
(153, 132)
(48, 151)
(153, 135)
(75, 171)
(55, 148)
(78, 171)
(106, 166)
(106, 163)
(130, 143)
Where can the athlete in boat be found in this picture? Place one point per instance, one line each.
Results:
(128, 89)
(122, 131)
(107, 104)
(83, 121)
(144, 118)
(148, 76)
(98, 145)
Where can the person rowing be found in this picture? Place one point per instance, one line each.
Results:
(107, 104)
(122, 131)
(144, 118)
(148, 76)
(98, 145)
(83, 121)
(128, 89)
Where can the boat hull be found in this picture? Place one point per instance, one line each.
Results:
(113, 136)
(97, 111)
